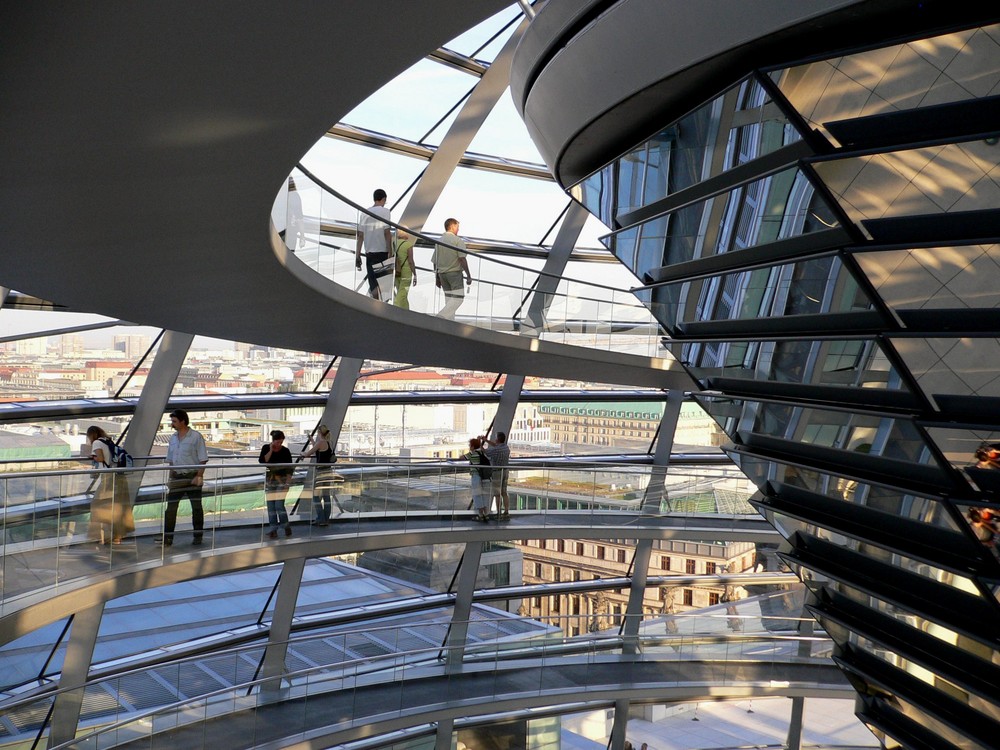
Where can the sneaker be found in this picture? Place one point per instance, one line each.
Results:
(288, 531)
(165, 541)
(197, 540)
(273, 534)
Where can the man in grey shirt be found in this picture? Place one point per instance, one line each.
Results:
(449, 263)
(186, 450)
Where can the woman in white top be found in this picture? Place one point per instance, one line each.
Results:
(110, 510)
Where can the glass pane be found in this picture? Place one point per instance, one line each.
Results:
(915, 182)
(841, 363)
(819, 285)
(772, 208)
(733, 129)
(388, 111)
(860, 433)
(96, 363)
(893, 503)
(953, 366)
(917, 74)
(935, 277)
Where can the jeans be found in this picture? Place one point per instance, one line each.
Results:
(276, 513)
(322, 506)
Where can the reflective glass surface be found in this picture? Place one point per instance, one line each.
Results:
(893, 503)
(756, 213)
(810, 287)
(870, 434)
(903, 615)
(789, 526)
(934, 680)
(922, 73)
(914, 182)
(954, 277)
(847, 363)
(733, 129)
(953, 366)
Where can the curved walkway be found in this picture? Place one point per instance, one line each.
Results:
(90, 577)
(349, 708)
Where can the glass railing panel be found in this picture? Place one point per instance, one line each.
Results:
(499, 293)
(347, 688)
(183, 691)
(61, 538)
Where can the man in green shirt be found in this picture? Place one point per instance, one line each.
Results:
(449, 263)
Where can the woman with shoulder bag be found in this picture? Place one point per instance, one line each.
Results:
(323, 476)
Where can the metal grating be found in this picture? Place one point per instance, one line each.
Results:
(29, 718)
(318, 652)
(142, 691)
(191, 679)
(99, 701)
(359, 644)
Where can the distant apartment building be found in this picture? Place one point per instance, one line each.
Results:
(624, 424)
(132, 345)
(555, 560)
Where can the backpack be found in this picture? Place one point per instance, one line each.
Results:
(120, 458)
(483, 467)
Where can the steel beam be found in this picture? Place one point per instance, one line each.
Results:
(455, 143)
(459, 631)
(76, 667)
(281, 618)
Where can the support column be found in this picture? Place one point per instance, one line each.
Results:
(156, 392)
(459, 630)
(281, 618)
(794, 739)
(650, 506)
(654, 493)
(619, 726)
(509, 399)
(555, 264)
(442, 738)
(339, 399)
(453, 146)
(76, 667)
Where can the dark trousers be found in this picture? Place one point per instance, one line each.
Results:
(177, 489)
(371, 260)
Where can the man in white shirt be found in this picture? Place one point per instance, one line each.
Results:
(375, 236)
(186, 450)
(449, 264)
